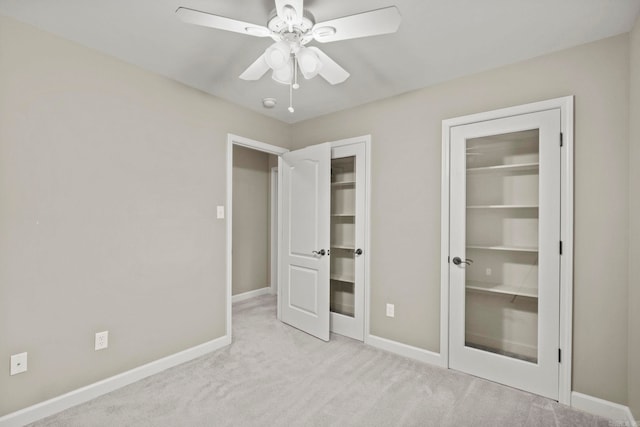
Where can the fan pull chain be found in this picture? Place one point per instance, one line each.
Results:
(291, 85)
(295, 73)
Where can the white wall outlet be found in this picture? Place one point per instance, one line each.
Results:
(488, 271)
(18, 363)
(102, 340)
(220, 212)
(391, 310)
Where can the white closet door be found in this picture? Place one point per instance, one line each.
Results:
(504, 236)
(304, 246)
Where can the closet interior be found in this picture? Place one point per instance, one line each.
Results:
(501, 311)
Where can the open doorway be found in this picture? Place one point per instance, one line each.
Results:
(251, 229)
(252, 223)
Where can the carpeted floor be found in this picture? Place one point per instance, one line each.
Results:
(275, 375)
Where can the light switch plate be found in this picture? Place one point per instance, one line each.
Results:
(18, 363)
(220, 212)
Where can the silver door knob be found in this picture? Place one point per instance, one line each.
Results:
(321, 252)
(458, 261)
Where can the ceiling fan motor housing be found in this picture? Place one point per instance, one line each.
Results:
(300, 28)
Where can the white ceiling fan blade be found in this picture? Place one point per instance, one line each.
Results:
(372, 23)
(284, 8)
(256, 70)
(221, 23)
(330, 70)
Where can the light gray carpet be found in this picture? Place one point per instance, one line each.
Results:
(275, 375)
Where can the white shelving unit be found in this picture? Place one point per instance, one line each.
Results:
(343, 207)
(502, 210)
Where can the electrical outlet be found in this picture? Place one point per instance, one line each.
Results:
(391, 310)
(488, 271)
(220, 212)
(102, 340)
(18, 363)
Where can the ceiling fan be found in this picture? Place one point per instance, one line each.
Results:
(292, 28)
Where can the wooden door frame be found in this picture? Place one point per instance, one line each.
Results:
(254, 145)
(565, 104)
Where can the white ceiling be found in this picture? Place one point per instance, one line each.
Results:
(438, 40)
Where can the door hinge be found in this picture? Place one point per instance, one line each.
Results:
(560, 247)
(559, 355)
(561, 139)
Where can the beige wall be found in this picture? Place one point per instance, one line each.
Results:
(109, 181)
(406, 180)
(250, 220)
(109, 178)
(634, 222)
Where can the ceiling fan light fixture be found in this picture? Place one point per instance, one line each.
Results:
(309, 62)
(283, 75)
(278, 55)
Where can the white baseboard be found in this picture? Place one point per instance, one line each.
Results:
(84, 394)
(251, 294)
(620, 413)
(406, 350)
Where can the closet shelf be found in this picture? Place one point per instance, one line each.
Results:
(343, 183)
(345, 247)
(343, 278)
(504, 168)
(504, 248)
(502, 206)
(499, 288)
(343, 215)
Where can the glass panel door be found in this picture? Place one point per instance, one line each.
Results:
(504, 239)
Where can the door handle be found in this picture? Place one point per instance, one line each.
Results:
(321, 252)
(358, 251)
(459, 261)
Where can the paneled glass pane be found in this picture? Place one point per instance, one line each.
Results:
(501, 303)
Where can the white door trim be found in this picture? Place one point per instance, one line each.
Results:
(274, 232)
(256, 145)
(565, 104)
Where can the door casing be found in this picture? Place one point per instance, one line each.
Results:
(565, 104)
(255, 145)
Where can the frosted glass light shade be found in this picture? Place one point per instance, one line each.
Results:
(278, 55)
(309, 63)
(283, 75)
